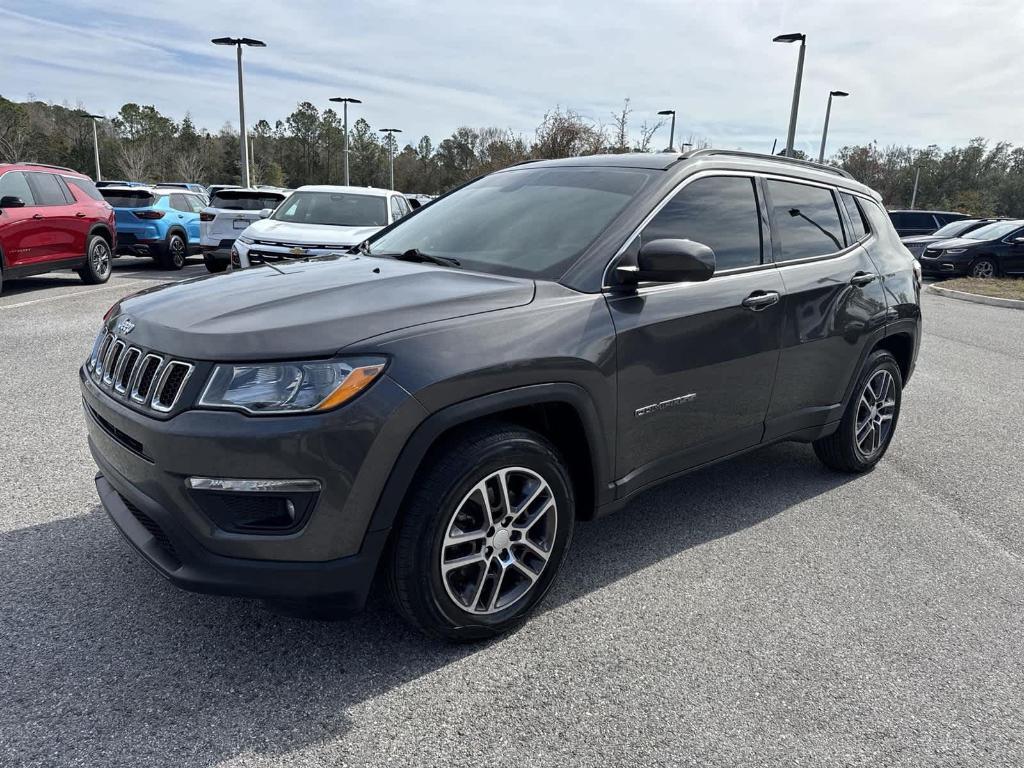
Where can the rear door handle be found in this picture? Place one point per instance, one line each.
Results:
(80, 215)
(759, 300)
(37, 215)
(863, 278)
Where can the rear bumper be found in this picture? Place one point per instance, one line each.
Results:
(153, 532)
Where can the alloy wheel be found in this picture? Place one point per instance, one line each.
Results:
(177, 250)
(100, 259)
(498, 541)
(875, 412)
(983, 268)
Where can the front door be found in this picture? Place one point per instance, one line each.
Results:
(696, 361)
(23, 229)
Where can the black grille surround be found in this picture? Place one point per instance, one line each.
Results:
(146, 380)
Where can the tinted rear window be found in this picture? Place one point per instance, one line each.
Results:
(85, 186)
(47, 188)
(233, 200)
(127, 198)
(806, 219)
(860, 227)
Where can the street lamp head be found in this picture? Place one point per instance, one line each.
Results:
(792, 37)
(667, 112)
(390, 130)
(838, 93)
(345, 99)
(93, 117)
(238, 41)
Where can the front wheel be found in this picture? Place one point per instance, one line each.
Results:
(174, 252)
(98, 262)
(984, 268)
(869, 421)
(213, 265)
(482, 534)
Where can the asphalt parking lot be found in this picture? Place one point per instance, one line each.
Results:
(762, 612)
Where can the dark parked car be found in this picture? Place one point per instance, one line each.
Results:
(922, 222)
(993, 250)
(917, 243)
(53, 218)
(448, 402)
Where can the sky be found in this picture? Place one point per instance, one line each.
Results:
(927, 72)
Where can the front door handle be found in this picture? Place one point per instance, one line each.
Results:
(80, 215)
(863, 278)
(759, 300)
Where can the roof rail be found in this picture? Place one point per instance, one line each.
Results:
(759, 156)
(47, 165)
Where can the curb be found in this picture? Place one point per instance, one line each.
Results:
(992, 301)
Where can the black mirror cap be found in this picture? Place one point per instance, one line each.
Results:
(670, 260)
(11, 201)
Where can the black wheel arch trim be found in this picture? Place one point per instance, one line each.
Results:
(465, 412)
(100, 228)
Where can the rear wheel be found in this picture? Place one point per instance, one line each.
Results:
(870, 419)
(482, 534)
(98, 262)
(212, 265)
(984, 267)
(173, 253)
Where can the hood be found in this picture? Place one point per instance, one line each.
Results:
(269, 230)
(307, 309)
(919, 239)
(955, 242)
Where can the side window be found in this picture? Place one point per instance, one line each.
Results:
(878, 220)
(918, 221)
(196, 202)
(860, 227)
(14, 184)
(806, 220)
(47, 189)
(84, 186)
(396, 209)
(720, 212)
(180, 203)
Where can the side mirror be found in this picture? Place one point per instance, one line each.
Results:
(11, 201)
(669, 261)
(265, 213)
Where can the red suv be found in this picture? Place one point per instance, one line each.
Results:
(53, 218)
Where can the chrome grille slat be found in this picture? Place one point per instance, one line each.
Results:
(163, 401)
(123, 374)
(112, 359)
(143, 397)
(97, 370)
(147, 379)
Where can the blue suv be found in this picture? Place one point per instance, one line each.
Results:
(161, 223)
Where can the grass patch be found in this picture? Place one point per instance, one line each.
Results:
(1000, 287)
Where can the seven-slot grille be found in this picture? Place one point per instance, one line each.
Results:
(149, 379)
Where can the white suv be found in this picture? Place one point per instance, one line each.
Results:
(318, 220)
(230, 211)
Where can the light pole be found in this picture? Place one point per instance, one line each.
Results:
(792, 38)
(95, 143)
(917, 177)
(345, 101)
(672, 131)
(828, 114)
(391, 151)
(243, 142)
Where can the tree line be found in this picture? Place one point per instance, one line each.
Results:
(141, 144)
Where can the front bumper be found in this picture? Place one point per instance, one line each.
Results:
(943, 267)
(256, 252)
(145, 461)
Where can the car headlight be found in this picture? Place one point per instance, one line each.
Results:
(956, 250)
(246, 240)
(302, 387)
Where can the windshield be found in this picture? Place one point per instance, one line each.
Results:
(529, 222)
(955, 228)
(340, 209)
(994, 231)
(126, 198)
(232, 200)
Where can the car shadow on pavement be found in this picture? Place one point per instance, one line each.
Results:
(107, 664)
(124, 268)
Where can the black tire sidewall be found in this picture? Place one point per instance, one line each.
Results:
(878, 360)
(169, 251)
(524, 451)
(212, 266)
(97, 278)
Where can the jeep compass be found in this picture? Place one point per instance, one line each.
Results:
(441, 407)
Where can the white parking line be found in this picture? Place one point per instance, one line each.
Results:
(70, 295)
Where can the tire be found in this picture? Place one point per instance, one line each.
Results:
(174, 252)
(984, 267)
(470, 603)
(98, 261)
(842, 450)
(212, 265)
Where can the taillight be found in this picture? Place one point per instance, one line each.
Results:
(204, 216)
(148, 214)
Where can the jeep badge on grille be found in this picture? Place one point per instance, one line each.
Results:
(125, 326)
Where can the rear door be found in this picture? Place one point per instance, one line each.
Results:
(696, 361)
(833, 301)
(183, 213)
(22, 234)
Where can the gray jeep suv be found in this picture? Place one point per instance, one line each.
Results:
(533, 349)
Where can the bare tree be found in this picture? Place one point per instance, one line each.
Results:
(620, 128)
(647, 132)
(134, 159)
(567, 134)
(14, 131)
(188, 164)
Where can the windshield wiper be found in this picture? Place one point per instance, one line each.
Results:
(415, 254)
